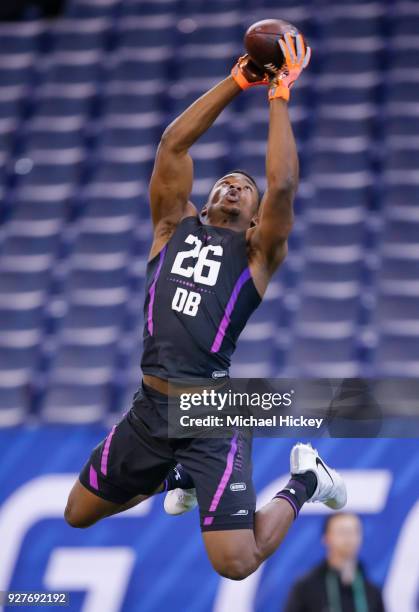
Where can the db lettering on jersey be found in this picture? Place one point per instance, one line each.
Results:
(186, 301)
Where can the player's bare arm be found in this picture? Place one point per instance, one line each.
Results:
(172, 177)
(171, 181)
(268, 240)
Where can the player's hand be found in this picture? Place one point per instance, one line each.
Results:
(296, 59)
(248, 74)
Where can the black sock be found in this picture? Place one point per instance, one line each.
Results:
(178, 478)
(298, 490)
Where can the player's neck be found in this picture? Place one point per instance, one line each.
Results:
(225, 221)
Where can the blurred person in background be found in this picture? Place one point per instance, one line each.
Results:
(339, 583)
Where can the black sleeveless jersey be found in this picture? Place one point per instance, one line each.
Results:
(199, 296)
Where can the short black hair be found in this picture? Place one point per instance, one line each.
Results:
(246, 174)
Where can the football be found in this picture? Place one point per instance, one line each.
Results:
(261, 42)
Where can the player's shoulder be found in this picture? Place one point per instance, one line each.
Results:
(187, 225)
(190, 212)
(168, 224)
(191, 219)
(168, 228)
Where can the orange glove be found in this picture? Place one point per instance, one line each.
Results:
(247, 74)
(296, 59)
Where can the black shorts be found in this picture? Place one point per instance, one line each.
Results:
(137, 455)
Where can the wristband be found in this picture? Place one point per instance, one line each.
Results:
(239, 77)
(278, 90)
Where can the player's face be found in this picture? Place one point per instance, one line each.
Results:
(344, 536)
(234, 196)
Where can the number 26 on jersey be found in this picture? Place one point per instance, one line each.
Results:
(203, 270)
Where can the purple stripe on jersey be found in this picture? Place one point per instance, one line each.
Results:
(225, 322)
(105, 454)
(93, 478)
(152, 291)
(208, 520)
(225, 477)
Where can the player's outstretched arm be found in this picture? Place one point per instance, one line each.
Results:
(171, 181)
(276, 210)
(269, 238)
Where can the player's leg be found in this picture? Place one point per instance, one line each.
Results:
(128, 466)
(181, 492)
(84, 508)
(221, 471)
(238, 540)
(237, 553)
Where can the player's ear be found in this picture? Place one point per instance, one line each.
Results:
(255, 221)
(204, 211)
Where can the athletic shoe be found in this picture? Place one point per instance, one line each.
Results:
(179, 501)
(331, 489)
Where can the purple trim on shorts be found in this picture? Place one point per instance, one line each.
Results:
(152, 291)
(105, 454)
(227, 473)
(208, 520)
(289, 500)
(225, 321)
(93, 478)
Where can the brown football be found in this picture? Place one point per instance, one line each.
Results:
(261, 42)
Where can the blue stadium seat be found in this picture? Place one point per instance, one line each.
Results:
(133, 96)
(354, 20)
(56, 133)
(74, 402)
(329, 311)
(83, 9)
(20, 326)
(398, 268)
(125, 165)
(331, 235)
(125, 131)
(17, 363)
(134, 65)
(397, 354)
(13, 401)
(323, 356)
(47, 173)
(397, 307)
(133, 8)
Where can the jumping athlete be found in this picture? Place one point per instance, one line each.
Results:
(206, 274)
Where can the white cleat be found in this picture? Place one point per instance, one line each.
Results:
(179, 501)
(331, 489)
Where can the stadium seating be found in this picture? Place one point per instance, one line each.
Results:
(83, 102)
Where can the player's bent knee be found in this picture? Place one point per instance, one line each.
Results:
(233, 554)
(234, 568)
(84, 509)
(75, 519)
(78, 515)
